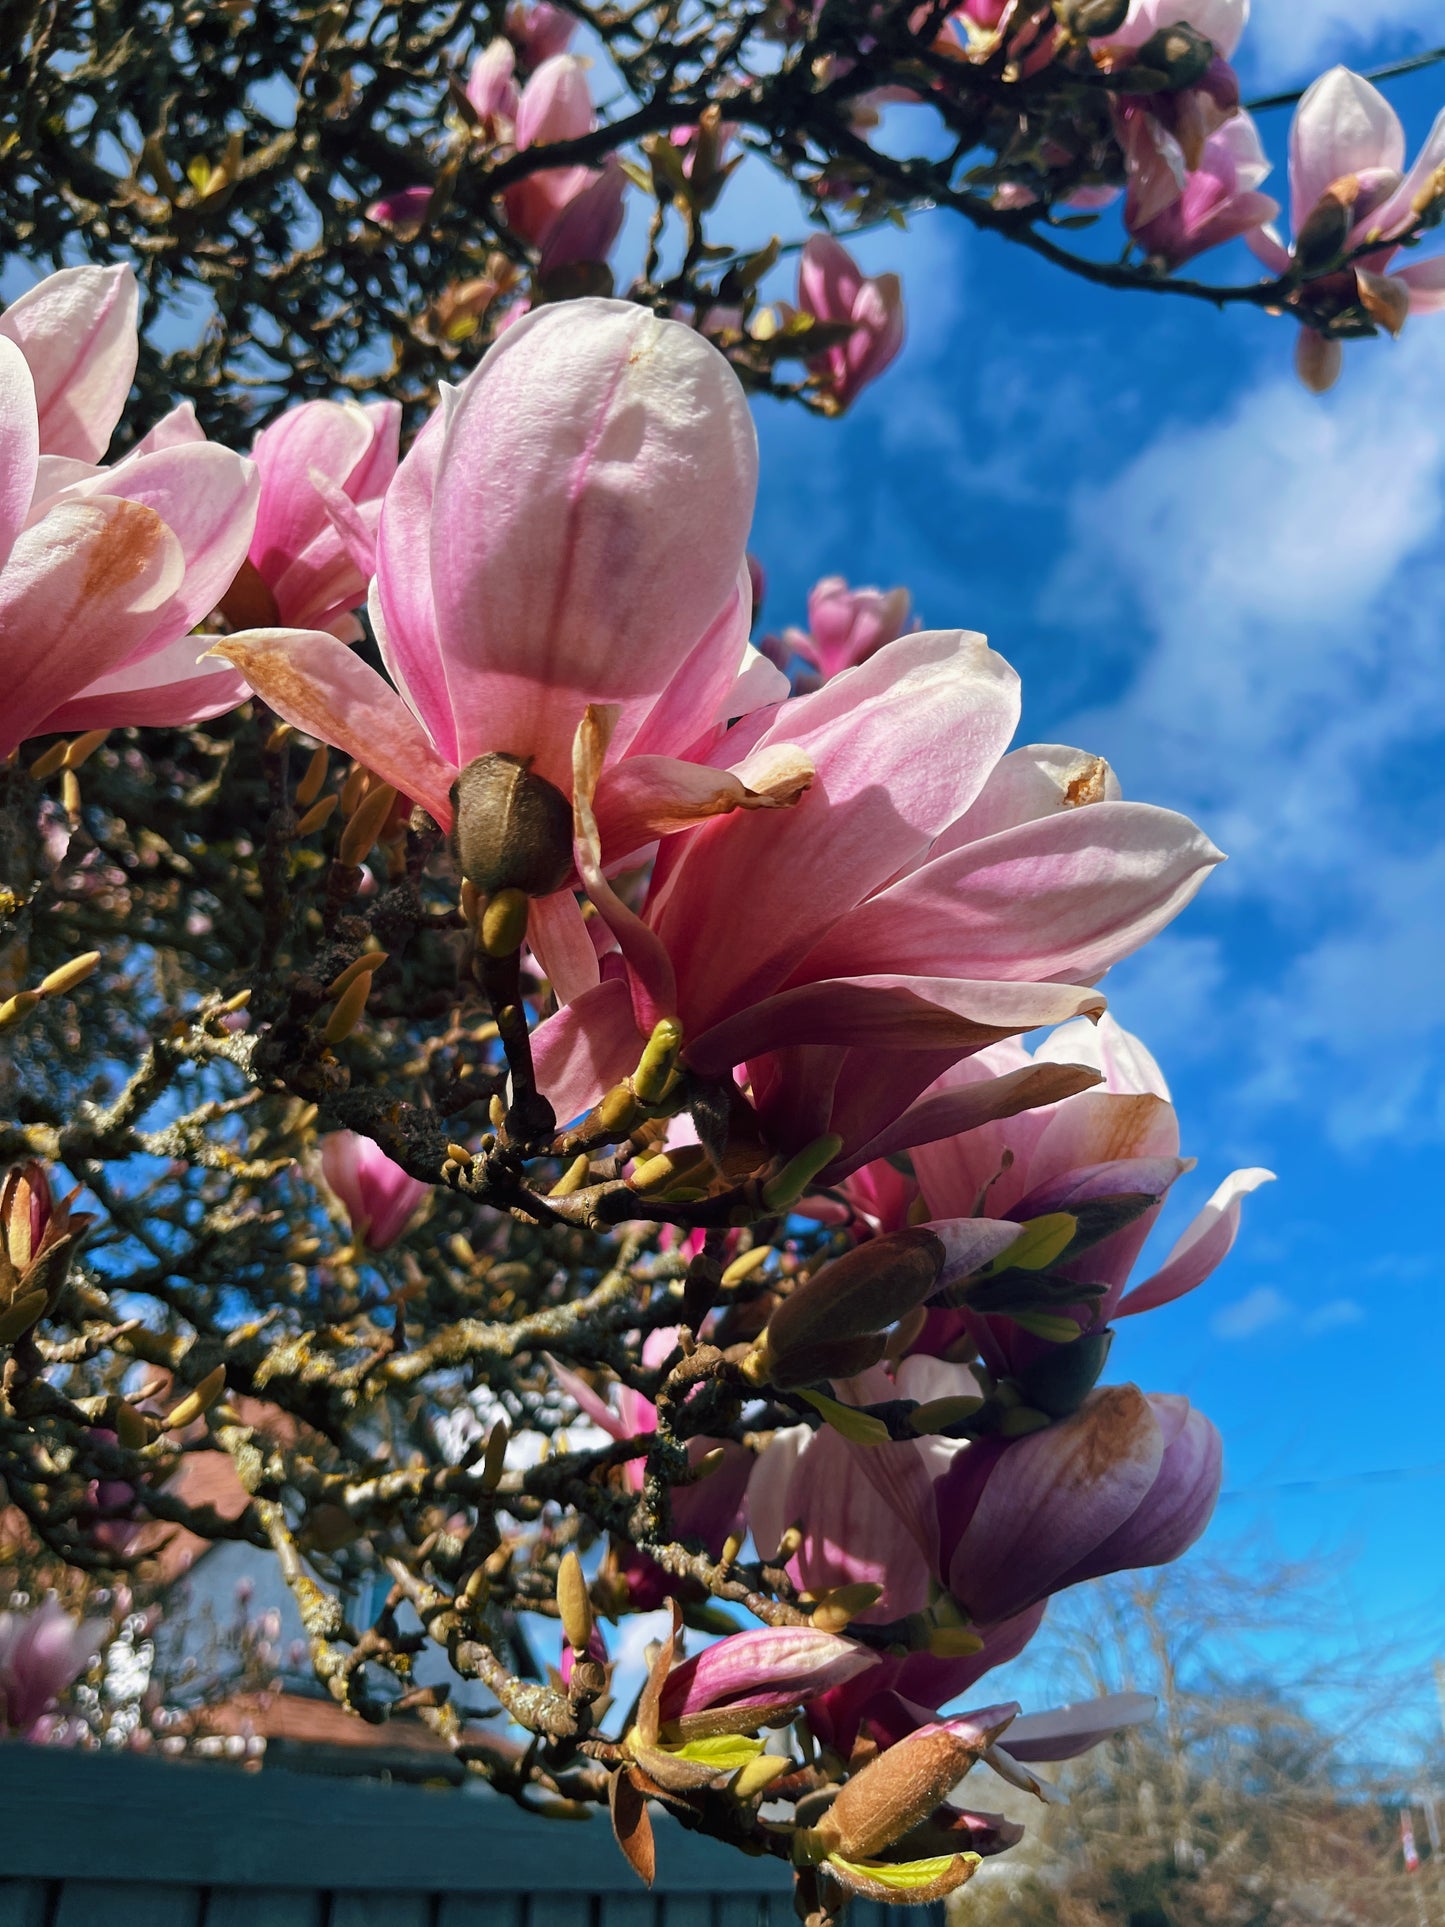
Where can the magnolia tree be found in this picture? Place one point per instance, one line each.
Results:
(514, 1088)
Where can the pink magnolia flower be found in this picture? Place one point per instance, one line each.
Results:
(1112, 1152)
(927, 896)
(41, 1653)
(833, 288)
(847, 626)
(324, 468)
(1127, 1481)
(585, 229)
(1220, 201)
(1349, 190)
(380, 1198)
(707, 1511)
(492, 89)
(555, 105)
(539, 30)
(77, 332)
(403, 211)
(747, 1680)
(1220, 21)
(567, 530)
(104, 572)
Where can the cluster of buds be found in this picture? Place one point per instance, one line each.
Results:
(39, 1236)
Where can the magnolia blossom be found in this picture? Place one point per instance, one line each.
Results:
(1349, 190)
(833, 289)
(926, 897)
(103, 572)
(41, 1653)
(1127, 1481)
(539, 30)
(1219, 21)
(847, 626)
(1220, 201)
(568, 530)
(749, 1679)
(1112, 1151)
(324, 468)
(555, 105)
(380, 1198)
(707, 1511)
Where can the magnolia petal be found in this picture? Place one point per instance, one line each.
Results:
(319, 686)
(586, 1048)
(1066, 896)
(557, 934)
(1065, 1732)
(1037, 780)
(207, 497)
(889, 1012)
(164, 689)
(950, 1113)
(1342, 126)
(1203, 1247)
(1014, 1773)
(19, 443)
(402, 612)
(79, 592)
(589, 523)
(749, 1671)
(878, 801)
(645, 797)
(77, 330)
(1426, 282)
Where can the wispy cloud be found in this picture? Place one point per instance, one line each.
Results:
(1249, 1316)
(1294, 37)
(1267, 1307)
(1284, 563)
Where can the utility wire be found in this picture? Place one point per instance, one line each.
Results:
(1392, 72)
(1390, 1475)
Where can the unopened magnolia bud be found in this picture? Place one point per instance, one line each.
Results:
(478, 1589)
(198, 1402)
(349, 1007)
(18, 1006)
(513, 829)
(354, 788)
(502, 927)
(70, 794)
(783, 1190)
(132, 1428)
(69, 975)
(902, 1787)
(710, 1462)
(1092, 19)
(494, 1459)
(496, 1110)
(852, 1297)
(790, 1543)
(49, 762)
(84, 747)
(317, 816)
(745, 1265)
(19, 1316)
(840, 1607)
(365, 824)
(363, 967)
(658, 1061)
(732, 1546)
(759, 1774)
(1326, 228)
(1179, 55)
(808, 1364)
(619, 1111)
(573, 1604)
(309, 788)
(573, 1178)
(941, 1414)
(952, 1642)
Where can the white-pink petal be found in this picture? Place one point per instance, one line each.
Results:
(1342, 126)
(1203, 1247)
(77, 329)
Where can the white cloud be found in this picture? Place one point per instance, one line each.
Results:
(1296, 37)
(1286, 562)
(1337, 1315)
(1251, 1315)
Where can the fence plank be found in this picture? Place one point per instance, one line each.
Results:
(101, 1903)
(742, 1910)
(559, 1910)
(686, 1910)
(481, 1910)
(23, 1903)
(380, 1910)
(281, 1907)
(627, 1910)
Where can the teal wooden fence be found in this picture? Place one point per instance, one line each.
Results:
(92, 1840)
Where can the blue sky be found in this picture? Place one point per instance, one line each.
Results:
(1236, 592)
